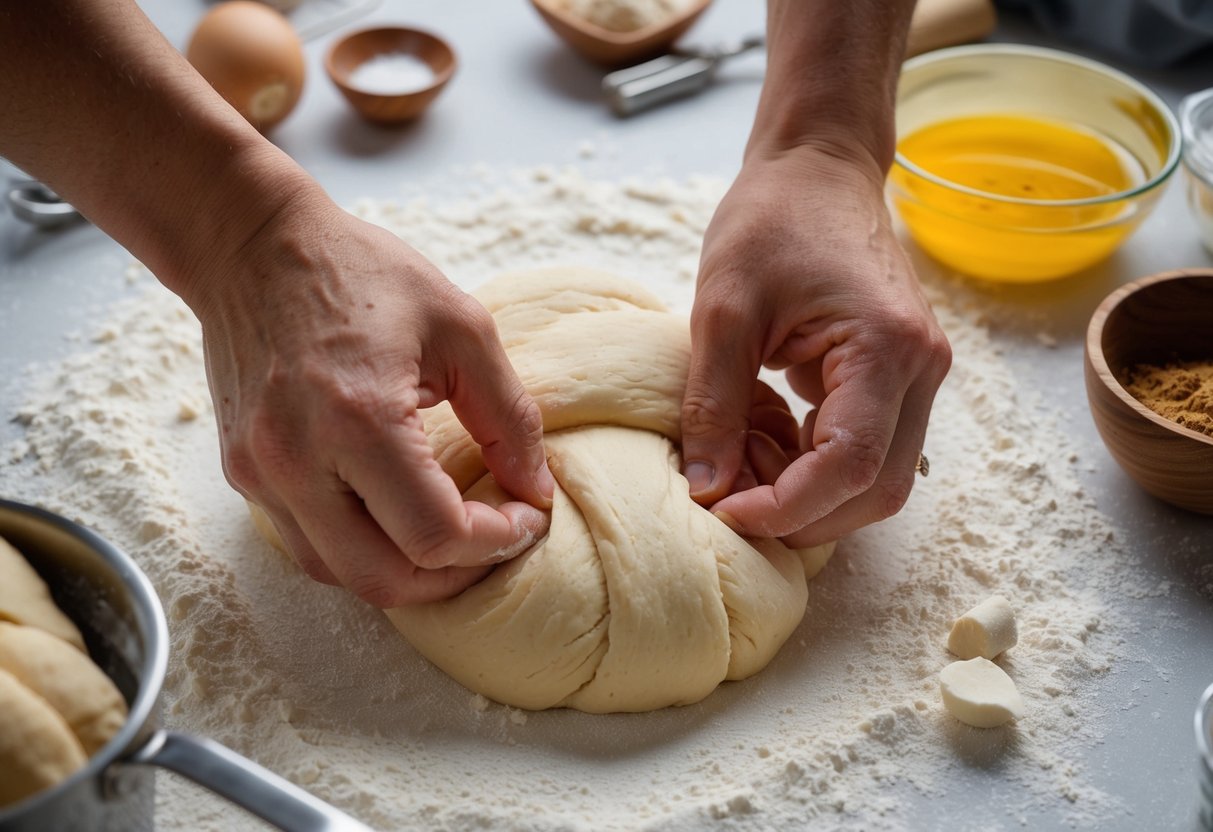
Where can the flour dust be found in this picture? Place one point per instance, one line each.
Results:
(845, 729)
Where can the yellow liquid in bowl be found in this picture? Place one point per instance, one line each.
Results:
(1022, 158)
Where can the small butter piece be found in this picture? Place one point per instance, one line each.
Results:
(979, 693)
(986, 630)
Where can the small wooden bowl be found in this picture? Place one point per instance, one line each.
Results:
(1155, 320)
(613, 49)
(350, 52)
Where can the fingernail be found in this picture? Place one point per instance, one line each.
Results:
(547, 483)
(727, 519)
(699, 475)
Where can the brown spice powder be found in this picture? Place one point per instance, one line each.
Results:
(1181, 391)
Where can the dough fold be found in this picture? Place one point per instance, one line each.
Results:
(25, 598)
(637, 598)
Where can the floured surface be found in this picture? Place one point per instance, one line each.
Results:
(844, 727)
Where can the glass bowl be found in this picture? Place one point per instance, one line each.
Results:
(1196, 116)
(1019, 237)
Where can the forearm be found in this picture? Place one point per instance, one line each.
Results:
(101, 107)
(831, 78)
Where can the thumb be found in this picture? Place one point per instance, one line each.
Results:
(716, 406)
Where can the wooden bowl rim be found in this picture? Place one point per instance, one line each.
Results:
(440, 77)
(1100, 363)
(606, 36)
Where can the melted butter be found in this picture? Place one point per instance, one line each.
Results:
(980, 231)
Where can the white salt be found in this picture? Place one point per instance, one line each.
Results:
(392, 73)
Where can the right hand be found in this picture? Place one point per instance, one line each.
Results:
(325, 337)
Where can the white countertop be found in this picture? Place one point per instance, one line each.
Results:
(522, 98)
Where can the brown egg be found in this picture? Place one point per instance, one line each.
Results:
(252, 57)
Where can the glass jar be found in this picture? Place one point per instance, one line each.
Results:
(1196, 120)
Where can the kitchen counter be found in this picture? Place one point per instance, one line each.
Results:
(543, 106)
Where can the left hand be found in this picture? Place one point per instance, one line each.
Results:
(801, 272)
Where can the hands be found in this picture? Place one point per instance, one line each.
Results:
(801, 272)
(324, 337)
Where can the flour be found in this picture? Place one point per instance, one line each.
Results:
(845, 728)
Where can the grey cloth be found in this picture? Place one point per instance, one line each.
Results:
(1147, 32)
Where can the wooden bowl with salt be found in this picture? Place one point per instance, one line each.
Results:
(1163, 321)
(614, 49)
(391, 74)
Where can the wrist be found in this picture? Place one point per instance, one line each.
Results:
(834, 123)
(819, 163)
(241, 216)
(831, 78)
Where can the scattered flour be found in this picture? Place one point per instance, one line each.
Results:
(844, 729)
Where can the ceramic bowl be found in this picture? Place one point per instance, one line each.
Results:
(614, 49)
(352, 51)
(1155, 320)
(1021, 238)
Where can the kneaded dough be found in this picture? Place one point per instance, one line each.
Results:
(67, 680)
(25, 599)
(37, 748)
(637, 598)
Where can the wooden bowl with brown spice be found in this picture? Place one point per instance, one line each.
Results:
(1149, 379)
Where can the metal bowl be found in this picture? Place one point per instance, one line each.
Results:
(1204, 741)
(112, 602)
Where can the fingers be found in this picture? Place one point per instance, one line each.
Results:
(421, 510)
(892, 487)
(771, 415)
(367, 562)
(299, 547)
(410, 537)
(767, 459)
(716, 406)
(853, 430)
(500, 415)
(806, 380)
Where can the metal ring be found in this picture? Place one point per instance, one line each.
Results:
(923, 465)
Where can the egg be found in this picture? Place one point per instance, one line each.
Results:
(252, 57)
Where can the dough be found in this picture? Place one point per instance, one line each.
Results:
(637, 598)
(37, 749)
(986, 630)
(980, 693)
(67, 680)
(25, 599)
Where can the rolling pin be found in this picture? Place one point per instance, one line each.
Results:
(939, 23)
(936, 23)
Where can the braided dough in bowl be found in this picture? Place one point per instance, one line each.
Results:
(637, 598)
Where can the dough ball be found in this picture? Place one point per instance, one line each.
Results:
(638, 598)
(67, 680)
(37, 748)
(25, 599)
